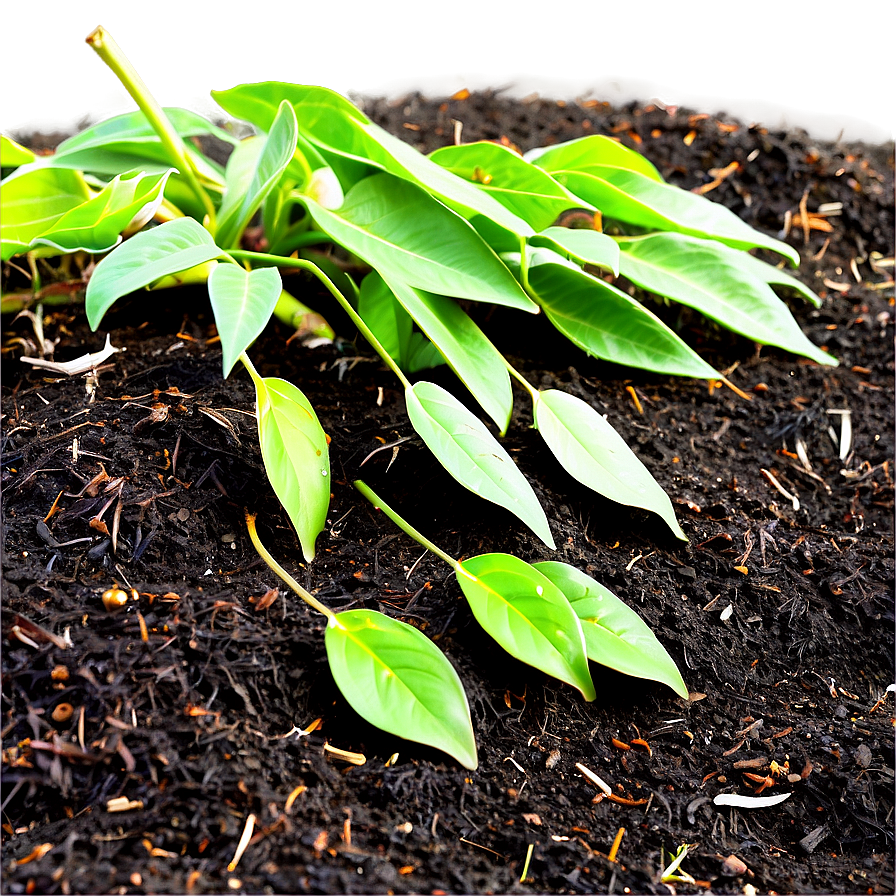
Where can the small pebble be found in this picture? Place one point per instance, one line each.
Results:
(863, 756)
(183, 514)
(733, 867)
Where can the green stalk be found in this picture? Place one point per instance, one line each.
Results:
(533, 392)
(109, 51)
(278, 569)
(405, 526)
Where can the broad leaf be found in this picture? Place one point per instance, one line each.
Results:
(587, 153)
(529, 192)
(295, 454)
(528, 616)
(472, 455)
(615, 635)
(592, 452)
(774, 276)
(13, 154)
(581, 244)
(167, 249)
(607, 323)
(466, 348)
(397, 679)
(242, 200)
(401, 231)
(719, 282)
(243, 302)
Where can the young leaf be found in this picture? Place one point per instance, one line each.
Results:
(295, 454)
(592, 452)
(150, 255)
(719, 282)
(588, 153)
(243, 302)
(472, 455)
(465, 347)
(584, 245)
(527, 615)
(529, 192)
(615, 635)
(13, 154)
(397, 679)
(241, 201)
(400, 230)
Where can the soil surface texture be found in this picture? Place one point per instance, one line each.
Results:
(140, 746)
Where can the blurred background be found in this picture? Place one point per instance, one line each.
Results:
(825, 68)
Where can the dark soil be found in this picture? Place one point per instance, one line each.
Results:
(186, 702)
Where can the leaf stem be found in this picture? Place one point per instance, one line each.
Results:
(406, 527)
(305, 265)
(280, 571)
(109, 51)
(533, 392)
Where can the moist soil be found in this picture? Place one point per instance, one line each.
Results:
(139, 745)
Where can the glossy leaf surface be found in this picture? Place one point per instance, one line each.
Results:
(146, 257)
(295, 454)
(718, 282)
(592, 452)
(472, 455)
(615, 635)
(583, 245)
(528, 616)
(243, 302)
(13, 154)
(397, 679)
(589, 153)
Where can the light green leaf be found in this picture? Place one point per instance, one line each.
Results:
(592, 452)
(243, 302)
(241, 201)
(170, 248)
(468, 351)
(774, 276)
(13, 154)
(588, 153)
(607, 323)
(719, 282)
(615, 635)
(584, 245)
(397, 679)
(472, 455)
(401, 231)
(529, 192)
(528, 616)
(295, 454)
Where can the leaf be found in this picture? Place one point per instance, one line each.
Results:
(13, 154)
(170, 248)
(587, 153)
(296, 457)
(609, 324)
(529, 192)
(397, 679)
(719, 282)
(386, 317)
(593, 453)
(776, 277)
(241, 201)
(243, 302)
(468, 351)
(615, 635)
(584, 245)
(527, 615)
(471, 454)
(749, 802)
(402, 232)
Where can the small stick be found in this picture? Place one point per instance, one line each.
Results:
(84, 364)
(611, 855)
(244, 842)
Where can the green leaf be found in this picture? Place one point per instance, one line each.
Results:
(588, 153)
(528, 616)
(719, 282)
(33, 203)
(607, 323)
(13, 154)
(581, 244)
(592, 452)
(633, 198)
(295, 454)
(397, 679)
(400, 230)
(243, 302)
(241, 201)
(774, 276)
(172, 247)
(615, 635)
(472, 455)
(468, 351)
(529, 192)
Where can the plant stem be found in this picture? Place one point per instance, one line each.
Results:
(304, 265)
(406, 527)
(280, 571)
(533, 392)
(109, 51)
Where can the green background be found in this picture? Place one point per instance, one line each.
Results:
(827, 65)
